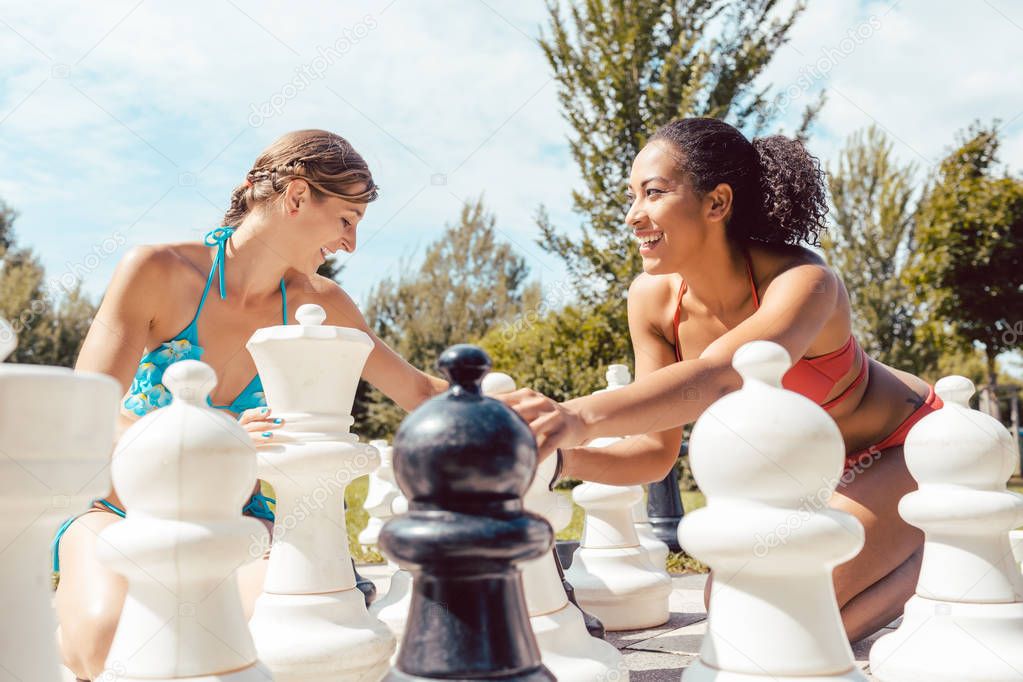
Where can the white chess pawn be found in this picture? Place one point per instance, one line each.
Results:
(54, 462)
(965, 621)
(768, 459)
(183, 473)
(392, 609)
(566, 646)
(311, 623)
(616, 577)
(654, 546)
(380, 495)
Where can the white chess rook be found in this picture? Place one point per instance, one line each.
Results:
(311, 623)
(616, 577)
(566, 646)
(52, 467)
(965, 621)
(768, 460)
(380, 494)
(183, 473)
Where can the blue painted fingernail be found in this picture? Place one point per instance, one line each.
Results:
(264, 410)
(267, 434)
(278, 420)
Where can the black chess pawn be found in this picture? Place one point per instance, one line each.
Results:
(464, 461)
(365, 585)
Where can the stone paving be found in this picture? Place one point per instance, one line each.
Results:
(660, 654)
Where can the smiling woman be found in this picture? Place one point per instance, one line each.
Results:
(302, 200)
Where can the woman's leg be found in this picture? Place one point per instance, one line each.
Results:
(89, 597)
(873, 586)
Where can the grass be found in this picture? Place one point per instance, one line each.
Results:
(356, 519)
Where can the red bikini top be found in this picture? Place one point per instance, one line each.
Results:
(813, 377)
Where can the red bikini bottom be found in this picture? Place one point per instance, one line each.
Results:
(898, 436)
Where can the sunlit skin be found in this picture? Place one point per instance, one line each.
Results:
(803, 306)
(153, 296)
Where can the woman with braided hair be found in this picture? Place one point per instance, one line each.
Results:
(301, 201)
(719, 220)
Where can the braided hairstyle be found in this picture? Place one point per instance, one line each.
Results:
(778, 190)
(328, 162)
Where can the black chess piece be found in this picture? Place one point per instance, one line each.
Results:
(664, 507)
(365, 585)
(464, 461)
(593, 624)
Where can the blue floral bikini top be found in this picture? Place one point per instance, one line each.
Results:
(148, 393)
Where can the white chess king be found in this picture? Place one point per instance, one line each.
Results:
(311, 623)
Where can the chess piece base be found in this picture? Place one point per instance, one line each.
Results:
(620, 587)
(942, 641)
(253, 673)
(700, 672)
(327, 637)
(568, 650)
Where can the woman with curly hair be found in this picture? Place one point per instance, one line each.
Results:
(301, 201)
(719, 220)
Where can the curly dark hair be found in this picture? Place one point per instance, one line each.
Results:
(778, 188)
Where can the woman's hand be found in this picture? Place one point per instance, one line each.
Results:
(555, 425)
(260, 424)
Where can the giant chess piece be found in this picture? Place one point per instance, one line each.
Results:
(766, 457)
(311, 623)
(965, 621)
(566, 646)
(664, 506)
(54, 462)
(393, 607)
(617, 578)
(380, 495)
(464, 461)
(183, 473)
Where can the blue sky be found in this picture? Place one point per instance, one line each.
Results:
(130, 122)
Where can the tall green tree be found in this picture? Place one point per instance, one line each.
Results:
(467, 283)
(873, 214)
(967, 268)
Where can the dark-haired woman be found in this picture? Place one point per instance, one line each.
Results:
(719, 221)
(301, 201)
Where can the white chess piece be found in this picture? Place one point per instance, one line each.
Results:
(566, 646)
(768, 460)
(654, 546)
(56, 434)
(619, 579)
(311, 623)
(183, 473)
(380, 495)
(965, 621)
(393, 607)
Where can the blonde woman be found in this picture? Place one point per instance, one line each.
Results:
(301, 201)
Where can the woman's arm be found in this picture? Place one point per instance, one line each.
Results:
(649, 456)
(117, 336)
(794, 309)
(385, 369)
